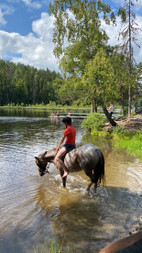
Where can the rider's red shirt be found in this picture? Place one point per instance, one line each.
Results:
(70, 133)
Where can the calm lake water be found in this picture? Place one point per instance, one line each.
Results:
(36, 211)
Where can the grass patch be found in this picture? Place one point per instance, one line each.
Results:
(130, 141)
(51, 105)
(51, 248)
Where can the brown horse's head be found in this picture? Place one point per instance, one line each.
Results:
(41, 166)
(43, 159)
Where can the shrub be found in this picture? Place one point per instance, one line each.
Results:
(94, 122)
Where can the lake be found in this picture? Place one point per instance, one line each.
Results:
(36, 211)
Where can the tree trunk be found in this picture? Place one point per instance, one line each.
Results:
(94, 105)
(112, 122)
(122, 103)
(129, 101)
(130, 60)
(136, 95)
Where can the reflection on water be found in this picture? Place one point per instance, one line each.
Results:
(36, 210)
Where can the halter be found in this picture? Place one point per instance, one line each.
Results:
(47, 167)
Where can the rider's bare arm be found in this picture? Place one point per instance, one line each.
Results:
(61, 141)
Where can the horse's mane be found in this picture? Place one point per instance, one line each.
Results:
(50, 153)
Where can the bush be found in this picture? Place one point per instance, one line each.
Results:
(120, 130)
(94, 122)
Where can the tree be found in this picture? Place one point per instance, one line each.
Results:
(2, 82)
(99, 81)
(128, 34)
(25, 84)
(121, 71)
(77, 33)
(138, 85)
(78, 36)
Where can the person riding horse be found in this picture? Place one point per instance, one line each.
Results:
(88, 158)
(70, 135)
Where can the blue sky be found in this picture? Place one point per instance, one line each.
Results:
(26, 32)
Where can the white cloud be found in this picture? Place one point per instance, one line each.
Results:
(138, 6)
(36, 48)
(122, 2)
(44, 26)
(29, 3)
(32, 4)
(2, 20)
(5, 10)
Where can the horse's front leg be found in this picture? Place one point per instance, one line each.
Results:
(88, 187)
(63, 179)
(58, 164)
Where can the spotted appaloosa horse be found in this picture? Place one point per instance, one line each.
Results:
(88, 158)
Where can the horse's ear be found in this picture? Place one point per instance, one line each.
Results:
(37, 159)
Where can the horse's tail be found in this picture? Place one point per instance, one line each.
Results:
(99, 170)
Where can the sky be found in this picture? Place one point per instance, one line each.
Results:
(26, 32)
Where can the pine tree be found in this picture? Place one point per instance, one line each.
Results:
(128, 34)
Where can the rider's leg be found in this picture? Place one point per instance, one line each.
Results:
(58, 161)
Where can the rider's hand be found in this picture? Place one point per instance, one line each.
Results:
(58, 148)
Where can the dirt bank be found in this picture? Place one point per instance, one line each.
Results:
(133, 123)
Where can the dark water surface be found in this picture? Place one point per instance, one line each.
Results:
(35, 211)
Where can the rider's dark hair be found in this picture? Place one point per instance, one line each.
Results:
(67, 120)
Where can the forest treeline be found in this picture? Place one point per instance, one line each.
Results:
(93, 72)
(24, 85)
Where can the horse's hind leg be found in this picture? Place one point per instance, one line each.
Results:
(95, 187)
(89, 174)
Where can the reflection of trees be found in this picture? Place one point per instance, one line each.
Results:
(86, 224)
(29, 129)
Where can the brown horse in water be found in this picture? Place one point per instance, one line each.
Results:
(88, 158)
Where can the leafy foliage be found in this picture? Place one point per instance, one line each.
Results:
(94, 121)
(77, 33)
(99, 79)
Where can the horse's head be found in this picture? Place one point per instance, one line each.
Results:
(43, 159)
(41, 166)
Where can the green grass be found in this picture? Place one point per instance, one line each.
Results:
(51, 248)
(130, 141)
(51, 105)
